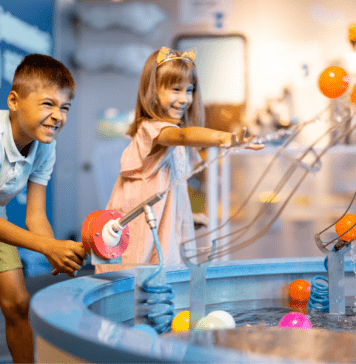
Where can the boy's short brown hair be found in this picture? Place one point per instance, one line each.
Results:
(37, 70)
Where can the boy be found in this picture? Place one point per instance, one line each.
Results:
(38, 104)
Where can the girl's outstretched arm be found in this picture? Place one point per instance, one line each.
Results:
(195, 136)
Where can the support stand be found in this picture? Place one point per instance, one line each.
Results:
(336, 273)
(336, 278)
(197, 286)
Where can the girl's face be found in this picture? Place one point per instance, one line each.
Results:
(176, 99)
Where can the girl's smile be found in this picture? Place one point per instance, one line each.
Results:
(176, 99)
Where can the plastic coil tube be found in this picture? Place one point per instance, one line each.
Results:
(319, 295)
(160, 321)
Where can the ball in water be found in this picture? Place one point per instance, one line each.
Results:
(224, 316)
(298, 306)
(344, 224)
(295, 320)
(299, 290)
(333, 82)
(181, 321)
(210, 323)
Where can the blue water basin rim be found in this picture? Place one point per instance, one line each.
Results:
(60, 314)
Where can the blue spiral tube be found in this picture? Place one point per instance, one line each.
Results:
(319, 295)
(160, 321)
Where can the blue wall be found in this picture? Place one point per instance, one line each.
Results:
(25, 27)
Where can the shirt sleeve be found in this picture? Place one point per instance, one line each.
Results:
(142, 144)
(43, 168)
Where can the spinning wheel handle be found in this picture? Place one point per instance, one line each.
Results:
(92, 234)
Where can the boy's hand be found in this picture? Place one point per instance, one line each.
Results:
(233, 140)
(65, 256)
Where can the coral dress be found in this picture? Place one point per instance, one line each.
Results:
(141, 176)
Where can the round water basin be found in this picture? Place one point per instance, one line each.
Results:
(88, 319)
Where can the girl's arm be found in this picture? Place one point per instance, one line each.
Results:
(195, 136)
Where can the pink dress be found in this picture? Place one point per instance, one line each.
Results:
(141, 176)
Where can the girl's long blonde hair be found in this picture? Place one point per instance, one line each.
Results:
(153, 78)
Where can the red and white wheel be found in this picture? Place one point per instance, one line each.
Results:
(92, 234)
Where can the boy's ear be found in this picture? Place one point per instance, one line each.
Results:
(12, 100)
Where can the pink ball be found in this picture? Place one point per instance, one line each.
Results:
(295, 320)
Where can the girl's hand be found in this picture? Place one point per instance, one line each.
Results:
(233, 140)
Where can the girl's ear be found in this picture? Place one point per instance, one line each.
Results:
(12, 101)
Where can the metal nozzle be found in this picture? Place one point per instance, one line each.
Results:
(150, 216)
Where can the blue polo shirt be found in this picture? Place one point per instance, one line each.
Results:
(15, 169)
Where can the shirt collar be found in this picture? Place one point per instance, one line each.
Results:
(11, 150)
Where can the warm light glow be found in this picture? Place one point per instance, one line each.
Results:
(268, 196)
(302, 201)
(284, 122)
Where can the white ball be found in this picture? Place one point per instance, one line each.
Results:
(224, 316)
(210, 323)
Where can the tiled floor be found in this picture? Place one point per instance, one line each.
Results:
(33, 285)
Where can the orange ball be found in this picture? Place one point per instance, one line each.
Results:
(298, 306)
(352, 33)
(181, 321)
(353, 95)
(333, 82)
(299, 290)
(344, 224)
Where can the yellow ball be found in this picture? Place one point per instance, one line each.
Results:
(181, 321)
(210, 323)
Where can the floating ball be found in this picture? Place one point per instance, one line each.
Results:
(210, 323)
(344, 224)
(181, 321)
(147, 329)
(295, 320)
(224, 316)
(333, 82)
(299, 290)
(298, 306)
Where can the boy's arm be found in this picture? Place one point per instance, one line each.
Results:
(68, 254)
(36, 216)
(195, 136)
(61, 254)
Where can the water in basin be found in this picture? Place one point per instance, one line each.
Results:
(267, 312)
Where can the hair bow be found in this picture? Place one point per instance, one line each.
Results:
(166, 54)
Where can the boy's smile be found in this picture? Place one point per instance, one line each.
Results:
(39, 116)
(176, 99)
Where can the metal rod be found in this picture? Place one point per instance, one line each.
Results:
(137, 211)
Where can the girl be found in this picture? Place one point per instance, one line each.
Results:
(168, 119)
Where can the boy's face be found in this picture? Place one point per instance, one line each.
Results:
(40, 116)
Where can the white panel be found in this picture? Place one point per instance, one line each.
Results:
(221, 68)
